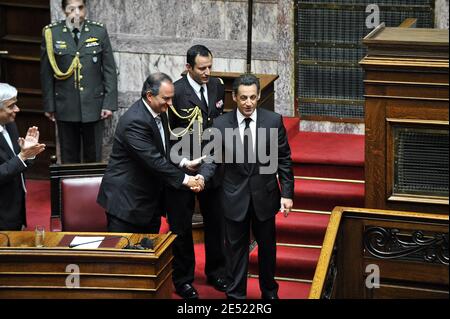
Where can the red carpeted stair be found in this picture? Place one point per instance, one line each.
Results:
(329, 171)
(313, 227)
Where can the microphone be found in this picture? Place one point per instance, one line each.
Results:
(147, 243)
(7, 239)
(128, 246)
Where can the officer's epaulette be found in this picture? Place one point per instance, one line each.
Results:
(95, 23)
(51, 25)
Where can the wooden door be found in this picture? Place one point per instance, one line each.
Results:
(21, 23)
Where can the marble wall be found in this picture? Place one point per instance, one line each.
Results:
(154, 35)
(441, 10)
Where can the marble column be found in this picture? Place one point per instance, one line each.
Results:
(441, 11)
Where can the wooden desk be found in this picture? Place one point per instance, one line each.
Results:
(29, 272)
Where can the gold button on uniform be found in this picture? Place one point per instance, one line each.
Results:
(81, 89)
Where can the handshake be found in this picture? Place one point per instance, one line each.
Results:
(196, 183)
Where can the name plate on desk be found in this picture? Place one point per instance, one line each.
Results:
(89, 242)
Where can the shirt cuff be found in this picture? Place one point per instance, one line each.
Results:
(183, 162)
(186, 180)
(22, 161)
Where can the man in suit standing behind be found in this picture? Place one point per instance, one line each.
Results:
(132, 187)
(251, 196)
(79, 82)
(15, 156)
(197, 88)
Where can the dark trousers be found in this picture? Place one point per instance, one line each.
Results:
(116, 225)
(237, 239)
(180, 206)
(73, 135)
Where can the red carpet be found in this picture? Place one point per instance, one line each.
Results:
(38, 204)
(301, 228)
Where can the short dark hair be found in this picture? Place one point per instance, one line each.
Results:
(153, 83)
(246, 79)
(195, 50)
(64, 3)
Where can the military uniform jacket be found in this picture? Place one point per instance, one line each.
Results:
(185, 100)
(98, 81)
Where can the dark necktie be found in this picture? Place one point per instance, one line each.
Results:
(161, 130)
(249, 156)
(76, 32)
(203, 97)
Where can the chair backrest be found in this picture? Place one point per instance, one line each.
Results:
(80, 211)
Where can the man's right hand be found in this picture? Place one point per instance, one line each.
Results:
(196, 183)
(29, 146)
(50, 116)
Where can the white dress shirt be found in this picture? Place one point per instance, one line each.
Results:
(197, 87)
(241, 122)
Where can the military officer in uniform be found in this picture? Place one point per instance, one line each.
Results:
(198, 97)
(79, 82)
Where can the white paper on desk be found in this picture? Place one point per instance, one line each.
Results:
(87, 242)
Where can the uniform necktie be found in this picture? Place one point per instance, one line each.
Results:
(76, 32)
(202, 95)
(249, 157)
(161, 130)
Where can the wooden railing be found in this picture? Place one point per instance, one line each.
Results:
(372, 254)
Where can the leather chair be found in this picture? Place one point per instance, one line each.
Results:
(80, 211)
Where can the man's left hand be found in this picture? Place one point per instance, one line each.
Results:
(106, 114)
(286, 206)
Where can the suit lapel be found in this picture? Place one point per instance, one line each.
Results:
(212, 96)
(154, 127)
(238, 144)
(83, 36)
(260, 123)
(14, 135)
(67, 37)
(4, 144)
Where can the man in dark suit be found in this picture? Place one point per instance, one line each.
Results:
(15, 154)
(79, 82)
(196, 89)
(133, 185)
(251, 196)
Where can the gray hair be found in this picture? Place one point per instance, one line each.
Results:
(7, 92)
